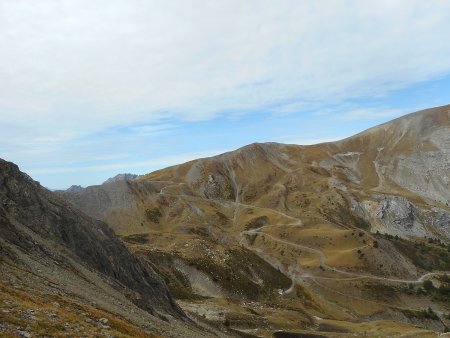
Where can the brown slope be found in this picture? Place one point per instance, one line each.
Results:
(399, 169)
(309, 211)
(52, 255)
(89, 241)
(414, 137)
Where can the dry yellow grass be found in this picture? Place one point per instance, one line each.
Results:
(45, 315)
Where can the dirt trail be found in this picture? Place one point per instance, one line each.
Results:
(318, 252)
(236, 203)
(355, 276)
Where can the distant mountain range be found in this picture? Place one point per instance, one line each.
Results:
(341, 238)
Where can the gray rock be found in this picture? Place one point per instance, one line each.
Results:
(103, 321)
(34, 210)
(24, 334)
(121, 177)
(75, 188)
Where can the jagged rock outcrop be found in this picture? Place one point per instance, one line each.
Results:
(74, 188)
(41, 223)
(393, 215)
(121, 177)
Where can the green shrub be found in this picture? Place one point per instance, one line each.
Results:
(153, 214)
(428, 285)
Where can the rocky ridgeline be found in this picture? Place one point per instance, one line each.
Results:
(121, 177)
(42, 223)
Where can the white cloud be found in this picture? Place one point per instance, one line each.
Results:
(153, 129)
(72, 68)
(313, 140)
(371, 114)
(160, 162)
(85, 65)
(362, 114)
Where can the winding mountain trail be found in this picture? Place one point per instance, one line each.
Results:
(356, 276)
(236, 203)
(297, 222)
(318, 252)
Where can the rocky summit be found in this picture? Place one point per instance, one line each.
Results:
(340, 239)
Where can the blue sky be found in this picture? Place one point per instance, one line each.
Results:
(89, 89)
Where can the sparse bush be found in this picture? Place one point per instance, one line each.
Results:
(444, 290)
(428, 285)
(153, 215)
(223, 219)
(429, 313)
(444, 279)
(256, 223)
(422, 254)
(410, 289)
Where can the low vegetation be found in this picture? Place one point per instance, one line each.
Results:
(425, 255)
(136, 239)
(257, 222)
(234, 273)
(382, 291)
(153, 214)
(23, 311)
(427, 313)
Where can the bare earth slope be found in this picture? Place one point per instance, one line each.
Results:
(336, 237)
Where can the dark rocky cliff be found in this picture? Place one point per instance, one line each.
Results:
(41, 223)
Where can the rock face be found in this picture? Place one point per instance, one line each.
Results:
(38, 222)
(121, 177)
(393, 215)
(75, 188)
(412, 152)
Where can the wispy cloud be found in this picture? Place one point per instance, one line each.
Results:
(71, 71)
(156, 163)
(371, 114)
(152, 129)
(313, 140)
(92, 64)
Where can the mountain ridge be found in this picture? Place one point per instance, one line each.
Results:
(53, 254)
(335, 218)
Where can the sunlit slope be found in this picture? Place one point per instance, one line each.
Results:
(333, 230)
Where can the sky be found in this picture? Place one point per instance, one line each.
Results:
(93, 88)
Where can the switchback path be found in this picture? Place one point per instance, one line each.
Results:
(318, 252)
(355, 276)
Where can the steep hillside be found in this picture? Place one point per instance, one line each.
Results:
(63, 273)
(286, 237)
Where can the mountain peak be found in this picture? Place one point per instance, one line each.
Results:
(121, 177)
